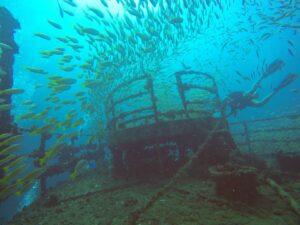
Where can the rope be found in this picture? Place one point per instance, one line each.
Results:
(134, 216)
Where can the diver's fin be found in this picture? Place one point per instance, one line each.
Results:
(275, 66)
(286, 81)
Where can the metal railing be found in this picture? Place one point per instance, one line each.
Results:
(66, 163)
(148, 110)
(268, 135)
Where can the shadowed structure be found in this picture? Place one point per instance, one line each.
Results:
(8, 25)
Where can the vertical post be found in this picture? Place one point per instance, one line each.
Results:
(182, 153)
(181, 93)
(161, 158)
(8, 26)
(153, 99)
(114, 119)
(41, 153)
(221, 105)
(247, 136)
(118, 162)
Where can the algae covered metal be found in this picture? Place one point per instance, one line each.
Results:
(145, 114)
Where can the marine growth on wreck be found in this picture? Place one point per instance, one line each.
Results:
(149, 112)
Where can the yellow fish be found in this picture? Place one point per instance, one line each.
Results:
(68, 81)
(62, 88)
(90, 31)
(78, 123)
(8, 191)
(14, 163)
(67, 69)
(35, 70)
(7, 159)
(5, 107)
(26, 116)
(35, 174)
(9, 149)
(11, 140)
(32, 107)
(8, 177)
(28, 102)
(81, 167)
(68, 102)
(50, 154)
(54, 24)
(5, 135)
(176, 20)
(24, 188)
(44, 36)
(55, 99)
(11, 91)
(91, 83)
(80, 93)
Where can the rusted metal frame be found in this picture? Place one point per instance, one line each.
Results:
(248, 142)
(182, 171)
(275, 129)
(186, 72)
(172, 113)
(139, 94)
(268, 141)
(123, 115)
(124, 84)
(180, 112)
(195, 102)
(153, 98)
(220, 104)
(114, 118)
(247, 136)
(136, 119)
(183, 87)
(222, 107)
(187, 87)
(268, 130)
(278, 141)
(113, 114)
(268, 119)
(181, 93)
(119, 101)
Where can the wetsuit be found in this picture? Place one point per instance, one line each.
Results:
(238, 100)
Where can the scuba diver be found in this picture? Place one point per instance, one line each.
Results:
(239, 100)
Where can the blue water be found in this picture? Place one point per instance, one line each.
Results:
(232, 42)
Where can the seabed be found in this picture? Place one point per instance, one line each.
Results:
(100, 200)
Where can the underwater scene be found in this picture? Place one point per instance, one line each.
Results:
(149, 112)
